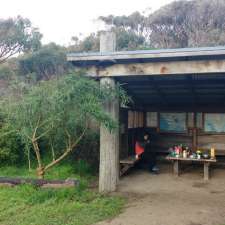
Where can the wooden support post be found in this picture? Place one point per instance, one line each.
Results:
(195, 134)
(109, 145)
(109, 141)
(206, 170)
(123, 133)
(194, 140)
(176, 167)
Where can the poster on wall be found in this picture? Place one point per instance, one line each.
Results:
(214, 122)
(173, 122)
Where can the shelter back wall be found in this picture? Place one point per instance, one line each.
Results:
(162, 141)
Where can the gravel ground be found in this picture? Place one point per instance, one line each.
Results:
(166, 200)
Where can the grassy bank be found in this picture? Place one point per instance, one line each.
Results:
(28, 205)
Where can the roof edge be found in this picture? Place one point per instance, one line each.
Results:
(146, 54)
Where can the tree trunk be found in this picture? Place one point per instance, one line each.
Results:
(28, 158)
(40, 169)
(40, 172)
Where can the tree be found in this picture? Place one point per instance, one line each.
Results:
(180, 24)
(57, 112)
(134, 24)
(131, 32)
(128, 40)
(16, 36)
(49, 60)
(89, 43)
(193, 23)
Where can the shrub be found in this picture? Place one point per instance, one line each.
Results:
(11, 148)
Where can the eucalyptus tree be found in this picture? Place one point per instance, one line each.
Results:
(192, 23)
(131, 32)
(48, 61)
(58, 112)
(17, 35)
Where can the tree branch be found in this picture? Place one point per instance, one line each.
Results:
(68, 150)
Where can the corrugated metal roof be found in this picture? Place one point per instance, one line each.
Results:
(155, 51)
(147, 55)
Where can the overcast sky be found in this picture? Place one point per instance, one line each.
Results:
(59, 20)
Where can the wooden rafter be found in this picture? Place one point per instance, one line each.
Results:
(156, 87)
(192, 89)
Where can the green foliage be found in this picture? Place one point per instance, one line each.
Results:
(61, 103)
(49, 61)
(6, 72)
(131, 32)
(89, 43)
(180, 24)
(11, 148)
(53, 115)
(82, 167)
(17, 35)
(87, 152)
(135, 21)
(188, 24)
(128, 39)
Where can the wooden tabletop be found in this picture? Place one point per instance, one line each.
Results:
(190, 159)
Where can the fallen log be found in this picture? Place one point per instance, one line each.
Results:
(10, 182)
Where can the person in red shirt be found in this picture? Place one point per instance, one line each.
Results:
(144, 151)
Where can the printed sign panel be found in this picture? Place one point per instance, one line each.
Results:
(214, 122)
(174, 122)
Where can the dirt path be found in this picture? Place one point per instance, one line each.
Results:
(166, 200)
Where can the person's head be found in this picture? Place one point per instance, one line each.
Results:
(146, 136)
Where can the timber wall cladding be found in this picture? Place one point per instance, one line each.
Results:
(217, 141)
(135, 119)
(161, 142)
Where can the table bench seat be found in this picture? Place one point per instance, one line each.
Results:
(127, 163)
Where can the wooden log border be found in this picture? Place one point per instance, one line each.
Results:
(11, 182)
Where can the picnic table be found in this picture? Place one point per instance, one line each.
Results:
(206, 162)
(127, 163)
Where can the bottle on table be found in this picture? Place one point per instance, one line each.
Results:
(184, 154)
(212, 153)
